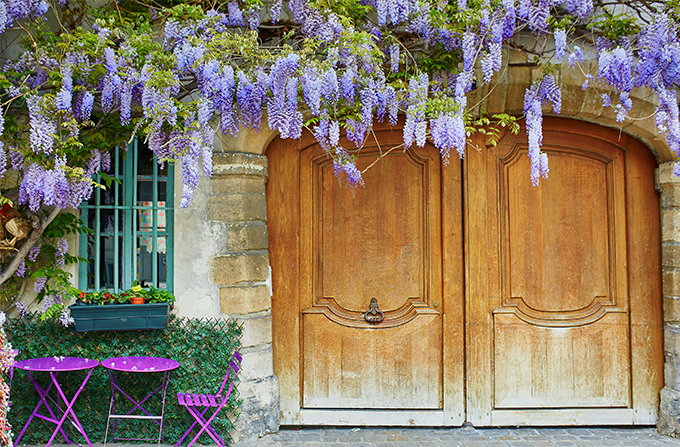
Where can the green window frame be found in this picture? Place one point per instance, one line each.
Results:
(132, 224)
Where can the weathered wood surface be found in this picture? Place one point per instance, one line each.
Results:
(544, 301)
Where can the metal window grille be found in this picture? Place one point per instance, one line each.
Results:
(132, 225)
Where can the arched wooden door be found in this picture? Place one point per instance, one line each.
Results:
(563, 281)
(545, 310)
(332, 252)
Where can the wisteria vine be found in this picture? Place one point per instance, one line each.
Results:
(175, 76)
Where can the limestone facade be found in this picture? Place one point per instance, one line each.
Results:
(669, 185)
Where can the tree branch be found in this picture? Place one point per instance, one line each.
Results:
(30, 242)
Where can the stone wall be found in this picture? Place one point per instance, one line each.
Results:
(241, 272)
(669, 411)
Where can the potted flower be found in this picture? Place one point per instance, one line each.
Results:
(109, 311)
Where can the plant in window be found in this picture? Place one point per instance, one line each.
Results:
(150, 295)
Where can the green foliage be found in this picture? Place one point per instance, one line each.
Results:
(613, 26)
(491, 127)
(352, 9)
(65, 224)
(202, 347)
(101, 297)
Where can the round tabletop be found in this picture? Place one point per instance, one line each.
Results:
(140, 364)
(58, 364)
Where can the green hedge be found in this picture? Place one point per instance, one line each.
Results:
(203, 347)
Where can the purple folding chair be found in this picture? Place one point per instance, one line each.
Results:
(199, 404)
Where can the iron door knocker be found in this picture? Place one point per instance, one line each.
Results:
(374, 315)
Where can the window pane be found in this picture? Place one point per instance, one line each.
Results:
(108, 195)
(145, 192)
(146, 220)
(91, 262)
(145, 160)
(108, 262)
(162, 192)
(89, 218)
(106, 219)
(145, 254)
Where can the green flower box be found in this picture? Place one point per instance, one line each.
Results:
(120, 317)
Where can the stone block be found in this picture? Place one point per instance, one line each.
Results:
(670, 225)
(670, 255)
(259, 410)
(665, 174)
(240, 163)
(244, 300)
(671, 368)
(671, 309)
(239, 267)
(671, 338)
(248, 237)
(257, 331)
(670, 195)
(669, 412)
(670, 281)
(257, 363)
(237, 208)
(572, 99)
(237, 184)
(260, 390)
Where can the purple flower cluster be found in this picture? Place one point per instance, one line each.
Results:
(21, 269)
(43, 126)
(34, 252)
(51, 187)
(12, 10)
(616, 68)
(344, 163)
(282, 108)
(62, 248)
(415, 128)
(545, 91)
(560, 43)
(39, 284)
(448, 132)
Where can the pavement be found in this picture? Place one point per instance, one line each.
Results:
(456, 437)
(465, 436)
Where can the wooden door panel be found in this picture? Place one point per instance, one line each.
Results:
(564, 284)
(558, 234)
(380, 241)
(539, 367)
(558, 297)
(371, 242)
(332, 251)
(356, 368)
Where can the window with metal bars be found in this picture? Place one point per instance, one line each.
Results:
(131, 223)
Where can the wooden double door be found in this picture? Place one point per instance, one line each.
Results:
(438, 294)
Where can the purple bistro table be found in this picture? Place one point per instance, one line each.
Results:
(142, 365)
(53, 366)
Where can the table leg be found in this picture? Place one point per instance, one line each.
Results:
(43, 393)
(112, 378)
(166, 381)
(69, 407)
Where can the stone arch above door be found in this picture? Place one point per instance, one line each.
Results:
(507, 96)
